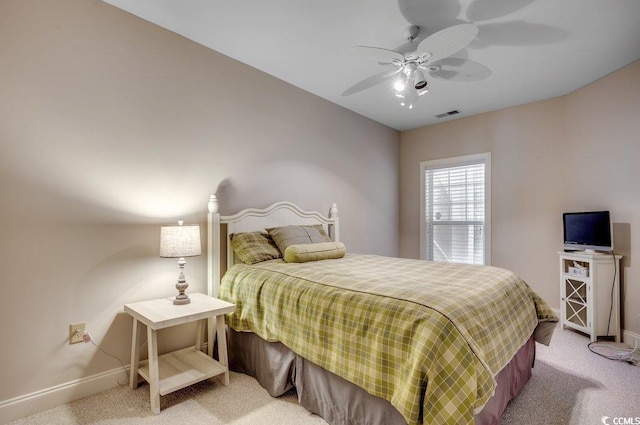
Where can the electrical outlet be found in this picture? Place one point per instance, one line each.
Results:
(76, 332)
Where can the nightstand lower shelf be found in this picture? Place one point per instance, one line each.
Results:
(182, 368)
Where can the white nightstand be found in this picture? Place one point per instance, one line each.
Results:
(173, 371)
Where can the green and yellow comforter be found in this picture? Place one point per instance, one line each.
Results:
(427, 336)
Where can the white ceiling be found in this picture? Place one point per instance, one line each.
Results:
(536, 49)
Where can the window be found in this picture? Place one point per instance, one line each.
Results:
(455, 205)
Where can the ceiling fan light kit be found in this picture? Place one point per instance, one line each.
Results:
(419, 82)
(432, 56)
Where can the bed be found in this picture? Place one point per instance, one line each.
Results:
(366, 339)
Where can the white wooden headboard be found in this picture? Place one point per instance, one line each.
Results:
(253, 219)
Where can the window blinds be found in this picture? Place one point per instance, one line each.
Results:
(455, 213)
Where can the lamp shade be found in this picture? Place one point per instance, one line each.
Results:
(180, 241)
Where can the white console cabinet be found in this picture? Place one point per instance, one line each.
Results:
(589, 285)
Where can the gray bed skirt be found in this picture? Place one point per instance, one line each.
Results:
(278, 370)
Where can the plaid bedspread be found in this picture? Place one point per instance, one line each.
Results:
(429, 337)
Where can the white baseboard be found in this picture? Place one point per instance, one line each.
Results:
(630, 338)
(48, 398)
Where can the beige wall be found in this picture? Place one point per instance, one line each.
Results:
(111, 126)
(576, 152)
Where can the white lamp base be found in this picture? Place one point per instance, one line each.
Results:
(181, 301)
(181, 286)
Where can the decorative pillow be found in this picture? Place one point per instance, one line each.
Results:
(322, 232)
(297, 235)
(254, 247)
(314, 252)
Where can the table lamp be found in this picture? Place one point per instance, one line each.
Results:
(179, 242)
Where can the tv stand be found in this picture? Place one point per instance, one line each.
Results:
(586, 280)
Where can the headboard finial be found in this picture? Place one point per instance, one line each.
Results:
(333, 212)
(213, 204)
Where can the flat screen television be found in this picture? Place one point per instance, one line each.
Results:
(588, 231)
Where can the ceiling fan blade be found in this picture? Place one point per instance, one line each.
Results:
(457, 69)
(448, 41)
(430, 14)
(484, 10)
(370, 82)
(379, 54)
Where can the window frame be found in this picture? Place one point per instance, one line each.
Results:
(459, 161)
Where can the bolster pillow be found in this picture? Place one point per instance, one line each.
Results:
(314, 251)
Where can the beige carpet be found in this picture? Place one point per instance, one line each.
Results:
(570, 385)
(573, 386)
(243, 402)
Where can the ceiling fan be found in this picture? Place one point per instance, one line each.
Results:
(432, 55)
